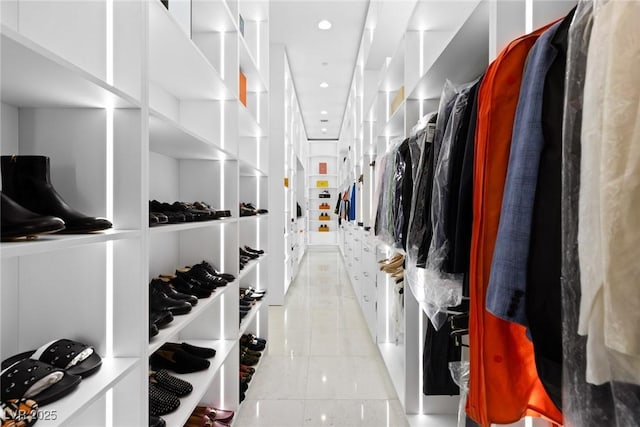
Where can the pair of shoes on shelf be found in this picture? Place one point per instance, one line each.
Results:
(177, 304)
(181, 358)
(247, 254)
(324, 206)
(48, 373)
(253, 251)
(177, 212)
(204, 416)
(251, 343)
(325, 195)
(250, 294)
(31, 206)
(165, 391)
(324, 217)
(248, 209)
(323, 227)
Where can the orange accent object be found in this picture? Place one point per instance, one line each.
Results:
(323, 227)
(243, 88)
(322, 168)
(503, 384)
(324, 217)
(324, 206)
(286, 182)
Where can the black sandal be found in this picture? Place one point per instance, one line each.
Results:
(73, 357)
(33, 379)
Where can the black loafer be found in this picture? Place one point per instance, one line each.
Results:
(159, 301)
(165, 287)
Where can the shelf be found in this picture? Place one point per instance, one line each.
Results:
(321, 175)
(462, 60)
(395, 126)
(211, 16)
(35, 77)
(249, 67)
(432, 420)
(170, 331)
(169, 228)
(168, 137)
(393, 73)
(249, 317)
(247, 123)
(201, 381)
(321, 198)
(250, 266)
(90, 389)
(323, 188)
(393, 356)
(247, 169)
(175, 62)
(252, 217)
(55, 242)
(318, 220)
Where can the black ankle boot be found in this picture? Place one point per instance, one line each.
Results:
(18, 222)
(27, 180)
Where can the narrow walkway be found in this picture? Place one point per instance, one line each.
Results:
(322, 367)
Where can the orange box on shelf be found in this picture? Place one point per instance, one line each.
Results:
(324, 206)
(242, 81)
(322, 183)
(286, 182)
(324, 217)
(322, 168)
(323, 227)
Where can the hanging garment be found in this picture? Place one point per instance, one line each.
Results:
(439, 350)
(352, 203)
(404, 190)
(504, 385)
(454, 180)
(543, 296)
(464, 214)
(447, 101)
(506, 292)
(609, 206)
(444, 290)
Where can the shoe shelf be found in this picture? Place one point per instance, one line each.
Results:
(173, 329)
(34, 76)
(212, 16)
(247, 123)
(176, 65)
(328, 175)
(250, 266)
(92, 388)
(168, 137)
(201, 381)
(249, 67)
(169, 228)
(253, 217)
(248, 319)
(56, 242)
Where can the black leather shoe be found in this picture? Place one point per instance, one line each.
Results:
(160, 318)
(18, 222)
(189, 288)
(159, 301)
(198, 273)
(27, 180)
(248, 254)
(172, 293)
(255, 251)
(213, 271)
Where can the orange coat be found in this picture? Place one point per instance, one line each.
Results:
(504, 384)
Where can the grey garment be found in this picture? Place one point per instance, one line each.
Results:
(584, 404)
(506, 292)
(441, 183)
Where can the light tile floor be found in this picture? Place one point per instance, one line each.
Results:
(321, 367)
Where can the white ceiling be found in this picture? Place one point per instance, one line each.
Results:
(294, 23)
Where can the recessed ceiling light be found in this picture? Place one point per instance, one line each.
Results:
(323, 112)
(324, 85)
(324, 63)
(324, 130)
(324, 25)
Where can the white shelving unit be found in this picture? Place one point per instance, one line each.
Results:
(433, 41)
(135, 102)
(288, 190)
(322, 151)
